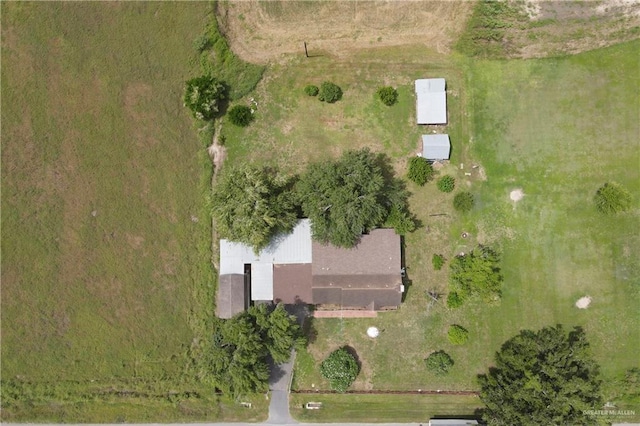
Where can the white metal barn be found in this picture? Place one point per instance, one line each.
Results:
(431, 101)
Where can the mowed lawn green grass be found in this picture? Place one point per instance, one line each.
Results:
(556, 128)
(382, 407)
(107, 283)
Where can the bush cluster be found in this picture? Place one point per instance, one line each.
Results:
(203, 96)
(388, 95)
(311, 90)
(340, 368)
(454, 300)
(240, 115)
(438, 261)
(612, 198)
(446, 183)
(329, 92)
(463, 201)
(458, 335)
(439, 363)
(420, 170)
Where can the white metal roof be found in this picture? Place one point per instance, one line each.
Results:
(436, 147)
(262, 281)
(431, 101)
(283, 249)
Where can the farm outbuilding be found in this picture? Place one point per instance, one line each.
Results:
(436, 147)
(431, 101)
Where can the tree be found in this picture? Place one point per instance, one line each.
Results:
(240, 115)
(203, 96)
(463, 201)
(349, 196)
(401, 220)
(458, 335)
(311, 90)
(280, 331)
(476, 273)
(388, 95)
(241, 347)
(612, 198)
(329, 92)
(546, 377)
(340, 368)
(252, 204)
(420, 170)
(439, 363)
(446, 183)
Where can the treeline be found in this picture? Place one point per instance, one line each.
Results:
(343, 198)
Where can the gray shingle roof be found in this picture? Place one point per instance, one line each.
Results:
(231, 296)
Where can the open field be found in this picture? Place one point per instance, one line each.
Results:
(106, 277)
(531, 124)
(266, 31)
(381, 408)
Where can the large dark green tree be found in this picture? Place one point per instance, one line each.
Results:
(351, 195)
(241, 347)
(251, 204)
(546, 377)
(476, 273)
(204, 95)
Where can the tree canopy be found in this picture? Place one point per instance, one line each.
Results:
(203, 96)
(240, 115)
(388, 95)
(251, 204)
(349, 196)
(420, 170)
(545, 378)
(476, 273)
(340, 368)
(241, 347)
(329, 92)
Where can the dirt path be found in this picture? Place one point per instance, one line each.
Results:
(217, 152)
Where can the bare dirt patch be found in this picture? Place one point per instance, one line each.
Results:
(583, 302)
(516, 195)
(261, 32)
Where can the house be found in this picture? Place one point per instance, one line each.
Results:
(431, 101)
(436, 147)
(294, 269)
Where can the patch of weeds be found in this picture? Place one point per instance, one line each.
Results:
(220, 61)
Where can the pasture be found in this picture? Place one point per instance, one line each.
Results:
(106, 243)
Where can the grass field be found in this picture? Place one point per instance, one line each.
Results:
(557, 128)
(383, 408)
(106, 246)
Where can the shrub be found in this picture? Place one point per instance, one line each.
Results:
(388, 95)
(477, 273)
(203, 96)
(311, 90)
(612, 198)
(420, 170)
(463, 201)
(202, 43)
(340, 368)
(240, 115)
(400, 220)
(454, 300)
(458, 335)
(438, 261)
(446, 183)
(439, 363)
(329, 92)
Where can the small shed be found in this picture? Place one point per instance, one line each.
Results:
(436, 147)
(431, 101)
